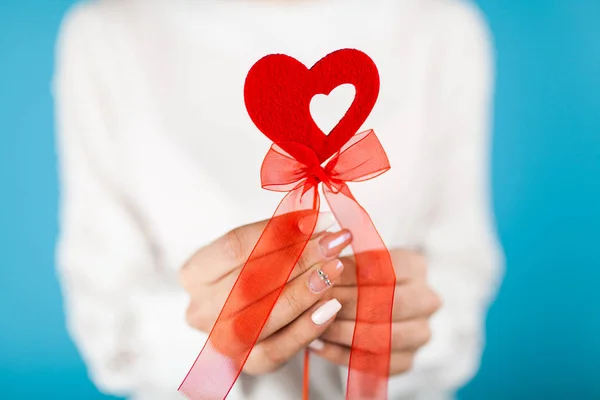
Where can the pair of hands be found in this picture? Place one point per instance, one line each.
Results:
(311, 311)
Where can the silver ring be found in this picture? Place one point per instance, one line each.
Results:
(324, 277)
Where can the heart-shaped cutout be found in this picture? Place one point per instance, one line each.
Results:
(279, 89)
(328, 110)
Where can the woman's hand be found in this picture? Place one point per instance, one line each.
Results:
(414, 303)
(302, 313)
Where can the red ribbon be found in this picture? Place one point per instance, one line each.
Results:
(265, 274)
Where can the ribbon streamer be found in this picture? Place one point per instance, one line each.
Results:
(265, 274)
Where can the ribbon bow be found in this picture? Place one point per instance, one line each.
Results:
(263, 277)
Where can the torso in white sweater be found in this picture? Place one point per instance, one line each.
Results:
(159, 157)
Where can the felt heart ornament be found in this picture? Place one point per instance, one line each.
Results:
(279, 89)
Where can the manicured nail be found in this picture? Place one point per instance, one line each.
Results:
(321, 278)
(326, 312)
(317, 345)
(325, 220)
(332, 244)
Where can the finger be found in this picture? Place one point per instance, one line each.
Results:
(411, 301)
(324, 247)
(232, 250)
(408, 266)
(320, 249)
(335, 353)
(274, 351)
(300, 294)
(407, 335)
(348, 277)
(278, 309)
(400, 362)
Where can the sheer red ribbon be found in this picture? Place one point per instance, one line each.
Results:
(263, 277)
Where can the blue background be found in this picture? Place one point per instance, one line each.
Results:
(544, 329)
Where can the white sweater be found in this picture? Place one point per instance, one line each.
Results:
(159, 157)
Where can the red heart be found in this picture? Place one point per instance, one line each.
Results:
(279, 89)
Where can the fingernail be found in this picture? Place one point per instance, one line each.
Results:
(321, 278)
(317, 345)
(326, 312)
(325, 220)
(332, 244)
